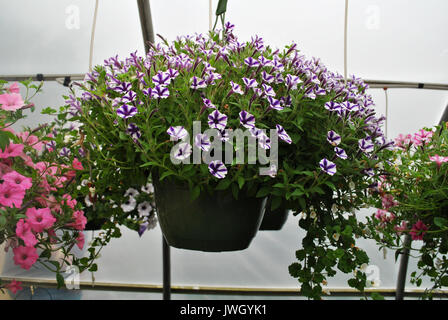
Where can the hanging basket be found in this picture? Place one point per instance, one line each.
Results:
(210, 223)
(273, 219)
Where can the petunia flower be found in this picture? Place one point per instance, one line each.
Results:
(15, 179)
(129, 97)
(327, 166)
(251, 62)
(80, 240)
(197, 83)
(40, 219)
(418, 230)
(208, 103)
(266, 77)
(11, 101)
(129, 205)
(162, 79)
(282, 134)
(202, 142)
(217, 120)
(160, 92)
(291, 81)
(131, 192)
(12, 150)
(144, 209)
(236, 88)
(274, 103)
(126, 111)
(14, 286)
(134, 131)
(148, 188)
(13, 88)
(366, 145)
(25, 256)
(24, 232)
(217, 169)
(340, 153)
(333, 138)
(79, 220)
(183, 151)
(11, 196)
(438, 159)
(247, 120)
(177, 133)
(267, 90)
(250, 83)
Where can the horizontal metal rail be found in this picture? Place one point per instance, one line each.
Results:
(244, 291)
(372, 83)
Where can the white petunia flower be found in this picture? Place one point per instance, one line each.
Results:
(129, 205)
(131, 192)
(144, 208)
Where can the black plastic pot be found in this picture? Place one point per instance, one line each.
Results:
(210, 223)
(95, 224)
(273, 219)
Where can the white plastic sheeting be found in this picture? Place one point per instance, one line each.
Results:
(387, 40)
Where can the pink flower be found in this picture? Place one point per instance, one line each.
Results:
(403, 140)
(418, 230)
(70, 202)
(25, 256)
(14, 88)
(4, 169)
(79, 220)
(15, 179)
(438, 159)
(30, 140)
(12, 150)
(23, 231)
(384, 216)
(52, 236)
(77, 165)
(388, 201)
(14, 286)
(11, 101)
(80, 240)
(11, 196)
(40, 219)
(422, 137)
(403, 227)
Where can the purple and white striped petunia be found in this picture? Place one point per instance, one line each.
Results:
(327, 166)
(197, 83)
(340, 153)
(247, 120)
(129, 97)
(65, 152)
(250, 83)
(177, 133)
(251, 62)
(266, 77)
(160, 92)
(282, 134)
(123, 87)
(368, 172)
(202, 142)
(291, 81)
(333, 138)
(264, 62)
(161, 79)
(366, 145)
(263, 140)
(274, 103)
(208, 103)
(236, 88)
(173, 73)
(223, 135)
(183, 151)
(217, 169)
(148, 92)
(133, 131)
(126, 111)
(217, 120)
(268, 90)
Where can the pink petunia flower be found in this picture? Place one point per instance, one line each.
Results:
(438, 159)
(77, 165)
(25, 256)
(388, 201)
(422, 137)
(4, 169)
(24, 232)
(11, 101)
(418, 230)
(14, 286)
(80, 220)
(40, 219)
(15, 179)
(11, 196)
(401, 228)
(14, 88)
(384, 216)
(71, 203)
(31, 140)
(403, 140)
(80, 240)
(12, 150)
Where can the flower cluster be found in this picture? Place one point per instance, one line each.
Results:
(140, 113)
(412, 199)
(38, 215)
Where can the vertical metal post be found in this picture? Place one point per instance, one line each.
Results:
(404, 260)
(144, 11)
(166, 270)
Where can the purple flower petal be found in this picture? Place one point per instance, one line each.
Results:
(126, 111)
(177, 133)
(197, 83)
(183, 151)
(340, 153)
(217, 169)
(202, 142)
(247, 120)
(161, 79)
(333, 138)
(366, 145)
(250, 83)
(327, 166)
(282, 134)
(274, 103)
(217, 120)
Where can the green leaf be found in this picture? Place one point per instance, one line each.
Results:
(263, 192)
(223, 184)
(444, 281)
(376, 296)
(195, 192)
(93, 268)
(165, 174)
(276, 203)
(48, 110)
(440, 222)
(240, 182)
(235, 190)
(60, 280)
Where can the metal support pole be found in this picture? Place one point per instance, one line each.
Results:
(401, 281)
(166, 270)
